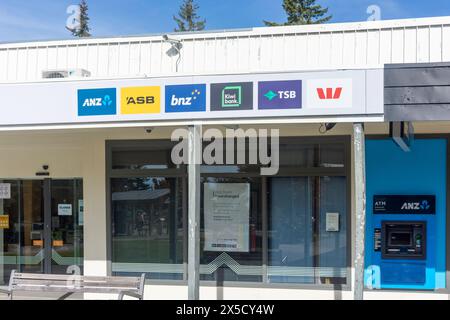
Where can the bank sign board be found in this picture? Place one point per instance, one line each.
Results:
(404, 204)
(340, 93)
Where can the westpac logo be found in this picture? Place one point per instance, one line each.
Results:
(95, 102)
(186, 98)
(329, 93)
(423, 205)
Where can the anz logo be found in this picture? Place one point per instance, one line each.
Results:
(424, 205)
(98, 102)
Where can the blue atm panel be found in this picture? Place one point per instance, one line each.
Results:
(406, 215)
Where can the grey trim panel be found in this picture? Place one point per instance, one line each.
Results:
(417, 76)
(422, 112)
(417, 92)
(416, 65)
(417, 95)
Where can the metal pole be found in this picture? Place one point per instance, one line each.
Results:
(195, 151)
(360, 206)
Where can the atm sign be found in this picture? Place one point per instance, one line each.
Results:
(404, 204)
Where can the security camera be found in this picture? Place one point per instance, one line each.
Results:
(149, 130)
(45, 167)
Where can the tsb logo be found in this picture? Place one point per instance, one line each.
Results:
(186, 98)
(280, 94)
(139, 100)
(94, 102)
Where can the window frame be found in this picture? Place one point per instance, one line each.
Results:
(314, 172)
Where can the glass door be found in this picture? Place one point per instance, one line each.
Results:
(41, 226)
(67, 225)
(32, 227)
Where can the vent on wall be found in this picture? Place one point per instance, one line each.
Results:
(68, 73)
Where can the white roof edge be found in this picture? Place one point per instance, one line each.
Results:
(257, 31)
(201, 74)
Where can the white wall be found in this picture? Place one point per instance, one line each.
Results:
(329, 46)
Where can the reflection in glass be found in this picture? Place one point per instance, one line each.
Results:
(10, 237)
(147, 226)
(291, 230)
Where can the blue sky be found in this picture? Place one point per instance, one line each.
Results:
(22, 20)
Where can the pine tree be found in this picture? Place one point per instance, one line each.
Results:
(187, 19)
(302, 12)
(83, 29)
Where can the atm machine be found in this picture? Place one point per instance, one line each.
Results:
(406, 200)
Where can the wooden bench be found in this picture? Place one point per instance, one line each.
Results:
(69, 284)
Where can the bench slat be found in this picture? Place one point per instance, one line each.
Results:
(67, 289)
(36, 282)
(66, 277)
(76, 283)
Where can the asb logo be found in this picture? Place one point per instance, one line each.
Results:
(186, 98)
(138, 100)
(96, 102)
(232, 96)
(280, 94)
(329, 93)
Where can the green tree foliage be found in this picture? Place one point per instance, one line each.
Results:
(302, 12)
(83, 29)
(187, 19)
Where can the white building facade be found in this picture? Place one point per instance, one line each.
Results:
(88, 179)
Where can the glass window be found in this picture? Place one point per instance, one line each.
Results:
(147, 226)
(307, 243)
(305, 207)
(10, 237)
(332, 244)
(228, 265)
(142, 155)
(291, 251)
(299, 155)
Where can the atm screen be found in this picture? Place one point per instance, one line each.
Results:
(400, 239)
(403, 239)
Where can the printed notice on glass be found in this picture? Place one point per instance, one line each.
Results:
(227, 213)
(64, 209)
(5, 191)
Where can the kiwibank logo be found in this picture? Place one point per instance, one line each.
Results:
(96, 102)
(186, 98)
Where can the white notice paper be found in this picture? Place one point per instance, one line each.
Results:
(80, 212)
(227, 214)
(64, 209)
(332, 223)
(5, 190)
